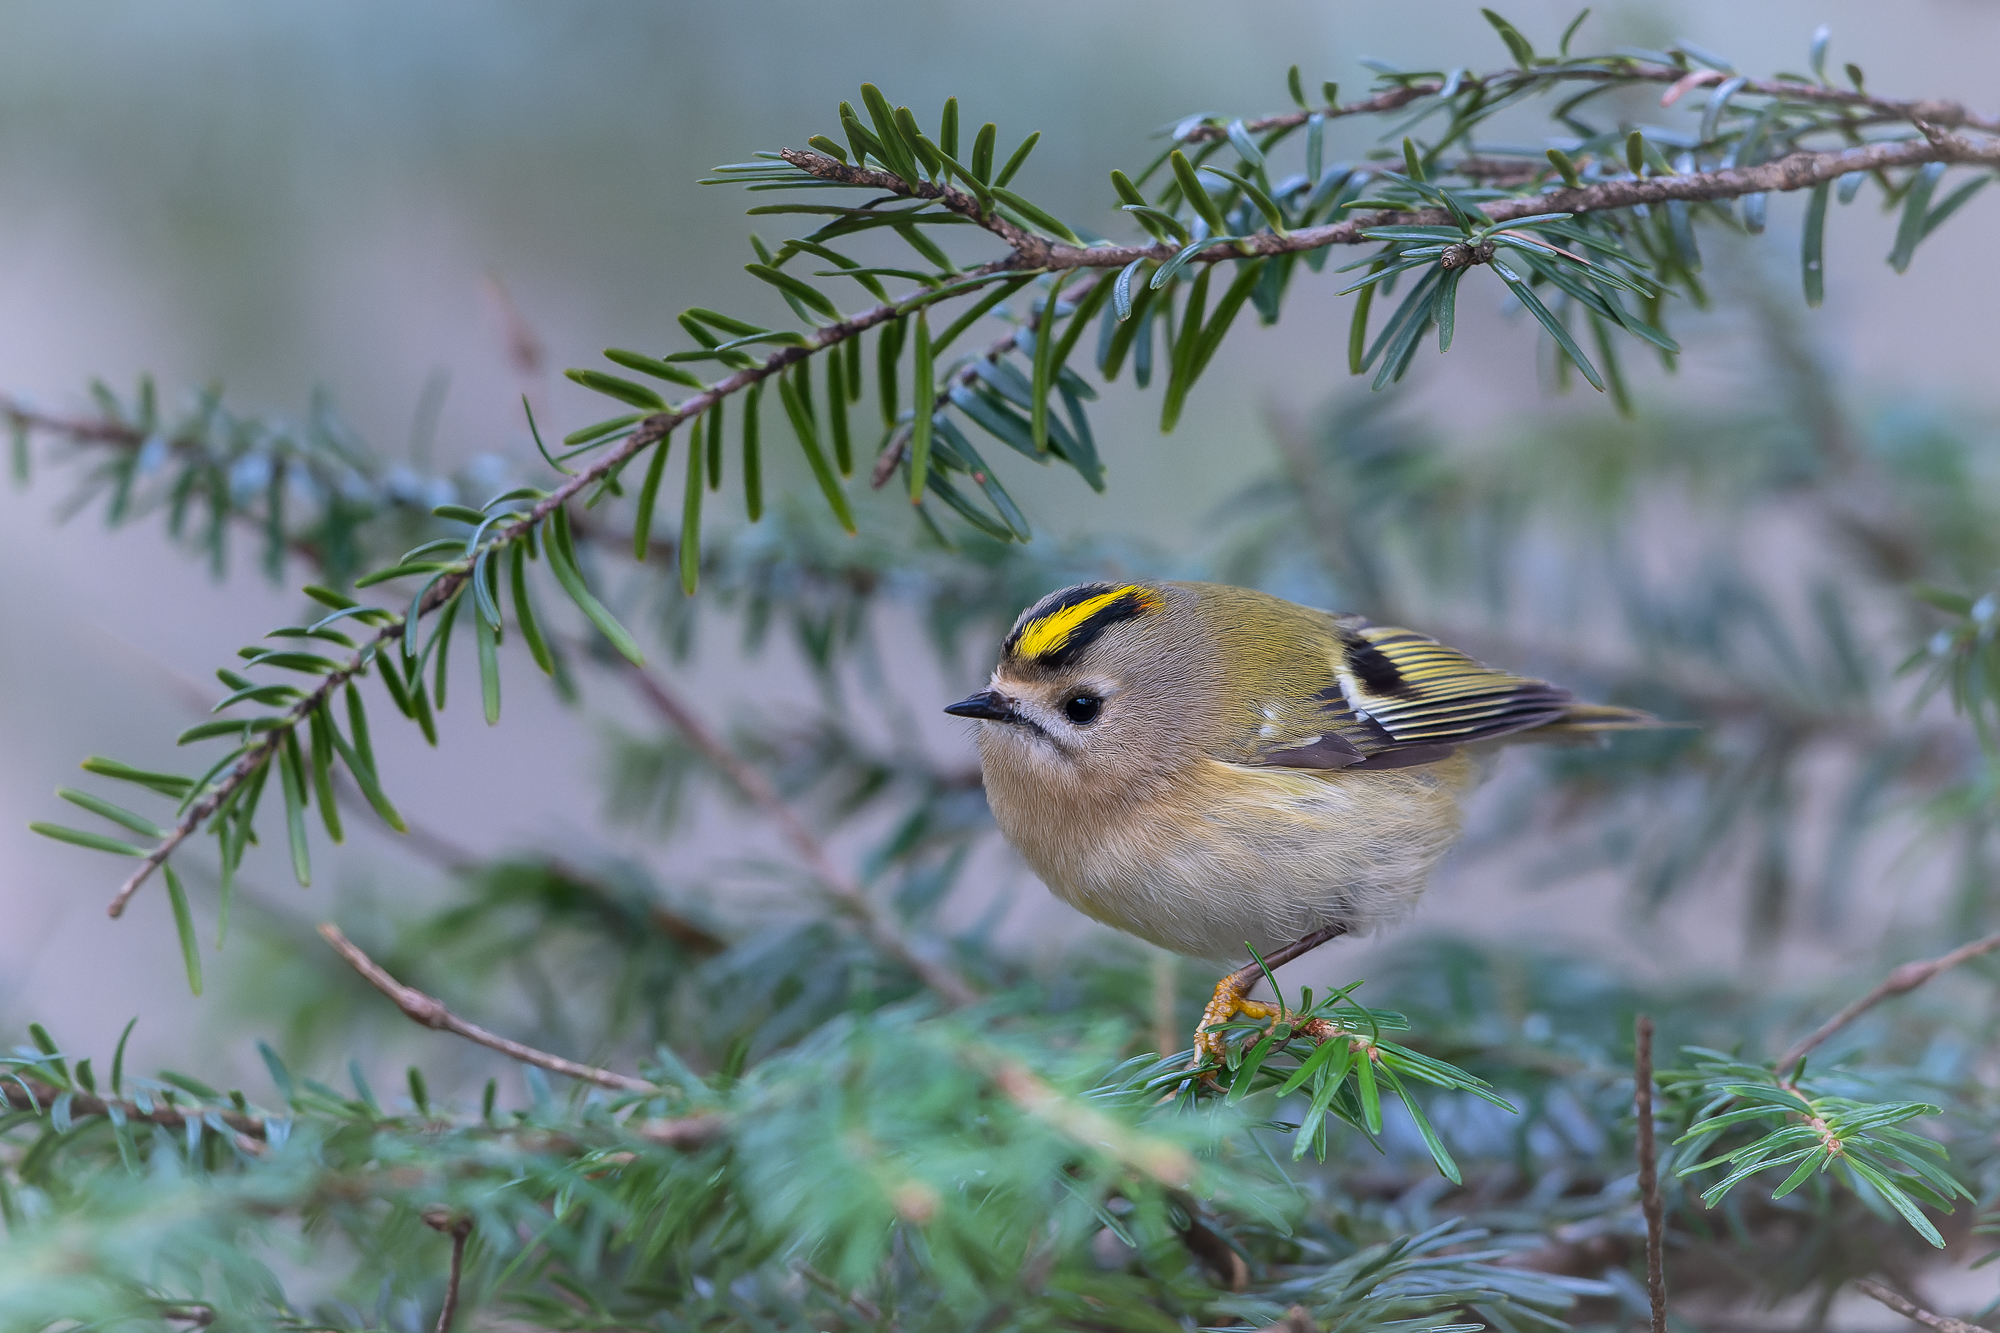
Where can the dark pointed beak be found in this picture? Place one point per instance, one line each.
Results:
(986, 705)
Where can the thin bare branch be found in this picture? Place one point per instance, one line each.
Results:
(1649, 1172)
(842, 888)
(450, 1309)
(431, 1012)
(1502, 171)
(866, 1308)
(526, 353)
(688, 1133)
(1911, 1310)
(458, 1227)
(1899, 982)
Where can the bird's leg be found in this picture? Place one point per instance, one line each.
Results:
(1232, 995)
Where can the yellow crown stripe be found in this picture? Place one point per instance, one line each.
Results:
(1049, 633)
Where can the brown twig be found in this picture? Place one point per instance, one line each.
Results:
(1937, 111)
(431, 1012)
(83, 1104)
(866, 1308)
(201, 1316)
(841, 887)
(1899, 982)
(1215, 1254)
(1501, 171)
(458, 1227)
(526, 353)
(115, 434)
(687, 1133)
(1649, 1172)
(1911, 1310)
(1166, 1162)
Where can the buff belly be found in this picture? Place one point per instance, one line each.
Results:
(1240, 855)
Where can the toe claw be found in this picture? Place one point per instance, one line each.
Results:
(1227, 1003)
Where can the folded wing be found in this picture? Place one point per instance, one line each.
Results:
(1400, 698)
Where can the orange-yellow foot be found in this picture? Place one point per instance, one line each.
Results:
(1228, 1002)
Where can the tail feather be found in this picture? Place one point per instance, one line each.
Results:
(1580, 721)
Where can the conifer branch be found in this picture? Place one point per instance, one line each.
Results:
(648, 432)
(439, 849)
(37, 1096)
(898, 447)
(848, 1127)
(1795, 171)
(261, 753)
(1032, 253)
(1936, 111)
(110, 433)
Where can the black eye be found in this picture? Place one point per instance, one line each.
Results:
(1082, 710)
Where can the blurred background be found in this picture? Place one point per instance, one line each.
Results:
(373, 199)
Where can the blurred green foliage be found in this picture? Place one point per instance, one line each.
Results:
(819, 1138)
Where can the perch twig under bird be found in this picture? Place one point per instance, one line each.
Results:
(1209, 767)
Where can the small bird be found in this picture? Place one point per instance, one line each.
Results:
(1209, 767)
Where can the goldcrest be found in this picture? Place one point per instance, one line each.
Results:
(1208, 767)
